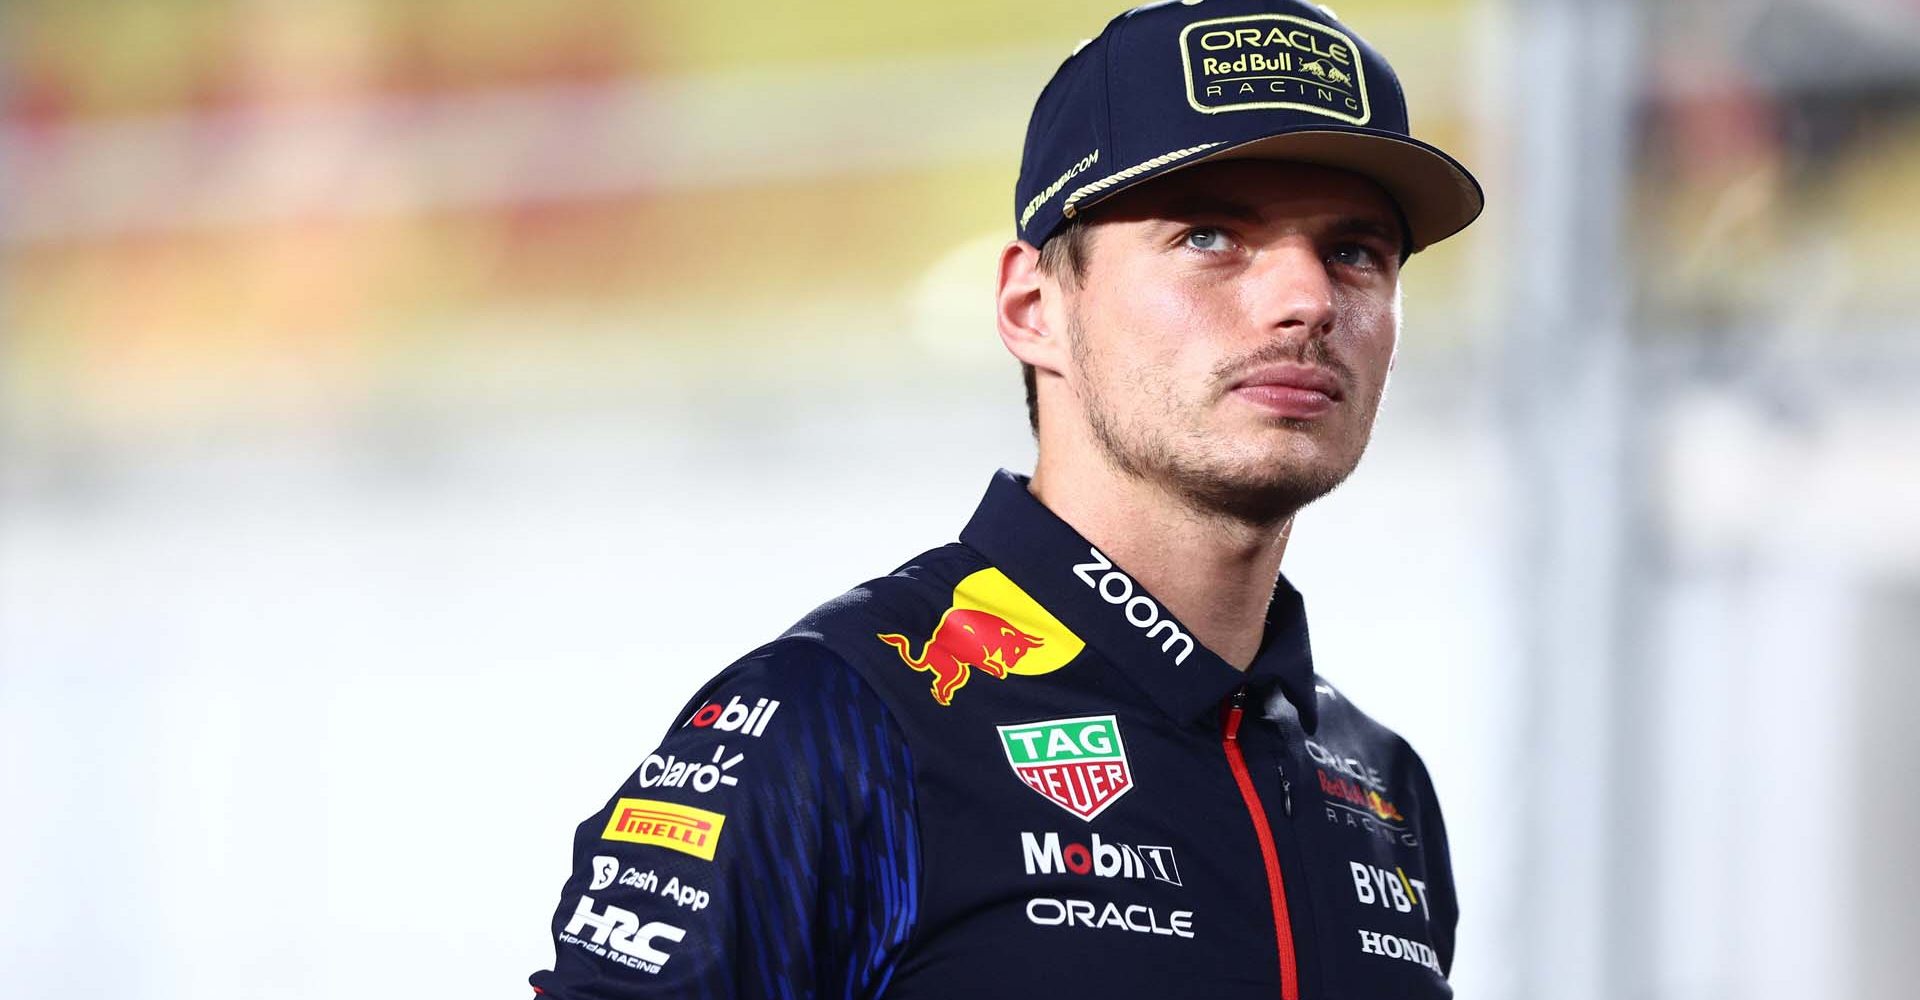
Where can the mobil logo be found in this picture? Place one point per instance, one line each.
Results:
(1050, 854)
(1078, 764)
(735, 716)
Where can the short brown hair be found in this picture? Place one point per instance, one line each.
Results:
(1063, 256)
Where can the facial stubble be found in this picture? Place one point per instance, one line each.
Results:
(1156, 448)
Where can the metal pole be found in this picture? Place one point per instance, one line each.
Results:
(1565, 384)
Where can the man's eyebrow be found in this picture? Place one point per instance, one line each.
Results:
(1207, 204)
(1359, 225)
(1200, 203)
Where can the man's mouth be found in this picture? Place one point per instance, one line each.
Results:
(1290, 390)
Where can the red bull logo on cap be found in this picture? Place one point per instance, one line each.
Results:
(1274, 61)
(992, 627)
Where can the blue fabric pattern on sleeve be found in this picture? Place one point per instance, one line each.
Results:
(814, 883)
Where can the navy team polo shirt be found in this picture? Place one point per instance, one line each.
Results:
(1006, 768)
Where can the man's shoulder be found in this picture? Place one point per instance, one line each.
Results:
(886, 630)
(810, 644)
(926, 579)
(825, 650)
(1342, 719)
(1364, 762)
(812, 696)
(913, 595)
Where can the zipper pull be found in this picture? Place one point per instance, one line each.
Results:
(1286, 791)
(1235, 709)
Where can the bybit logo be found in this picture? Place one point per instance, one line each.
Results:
(1388, 887)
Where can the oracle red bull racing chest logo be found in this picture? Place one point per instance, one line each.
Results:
(1079, 764)
(1274, 61)
(992, 627)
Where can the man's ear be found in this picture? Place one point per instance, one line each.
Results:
(1029, 309)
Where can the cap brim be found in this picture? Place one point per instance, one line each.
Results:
(1435, 193)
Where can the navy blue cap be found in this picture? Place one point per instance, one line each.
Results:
(1168, 85)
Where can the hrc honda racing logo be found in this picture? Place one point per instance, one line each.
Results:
(618, 936)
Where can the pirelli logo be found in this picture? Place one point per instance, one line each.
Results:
(1274, 61)
(665, 824)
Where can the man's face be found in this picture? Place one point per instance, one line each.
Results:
(1233, 330)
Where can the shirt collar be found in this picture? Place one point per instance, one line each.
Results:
(1049, 560)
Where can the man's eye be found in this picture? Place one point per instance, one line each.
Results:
(1354, 255)
(1206, 238)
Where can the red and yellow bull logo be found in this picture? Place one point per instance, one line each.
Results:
(1358, 783)
(1365, 798)
(1382, 808)
(993, 627)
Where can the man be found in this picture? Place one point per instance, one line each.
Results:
(1084, 748)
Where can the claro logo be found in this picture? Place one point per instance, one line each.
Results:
(1116, 587)
(671, 772)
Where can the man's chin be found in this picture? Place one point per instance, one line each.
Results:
(1262, 493)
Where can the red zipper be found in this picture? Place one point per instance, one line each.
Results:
(1276, 885)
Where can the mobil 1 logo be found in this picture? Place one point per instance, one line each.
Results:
(735, 716)
(1050, 854)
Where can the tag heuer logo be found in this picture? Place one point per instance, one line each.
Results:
(1079, 765)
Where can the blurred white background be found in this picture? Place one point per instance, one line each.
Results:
(405, 406)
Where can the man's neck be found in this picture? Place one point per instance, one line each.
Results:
(1215, 574)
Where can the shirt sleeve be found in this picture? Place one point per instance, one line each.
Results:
(1443, 902)
(768, 848)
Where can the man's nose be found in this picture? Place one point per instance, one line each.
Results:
(1293, 294)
